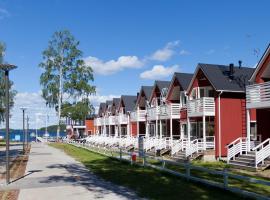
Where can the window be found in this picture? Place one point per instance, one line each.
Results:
(193, 94)
(253, 131)
(206, 92)
(183, 99)
(184, 130)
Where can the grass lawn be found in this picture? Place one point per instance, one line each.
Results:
(146, 182)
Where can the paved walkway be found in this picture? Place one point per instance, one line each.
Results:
(51, 174)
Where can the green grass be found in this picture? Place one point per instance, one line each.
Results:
(146, 182)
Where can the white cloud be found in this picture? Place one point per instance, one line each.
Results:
(184, 52)
(113, 66)
(159, 72)
(165, 53)
(4, 13)
(37, 110)
(210, 52)
(35, 104)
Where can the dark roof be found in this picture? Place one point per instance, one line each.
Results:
(129, 102)
(102, 107)
(116, 101)
(147, 91)
(184, 79)
(218, 75)
(162, 84)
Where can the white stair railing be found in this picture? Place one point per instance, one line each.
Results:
(178, 145)
(262, 152)
(192, 147)
(236, 147)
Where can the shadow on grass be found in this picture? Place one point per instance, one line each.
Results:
(146, 182)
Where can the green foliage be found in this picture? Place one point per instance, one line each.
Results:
(2, 86)
(53, 128)
(77, 111)
(63, 59)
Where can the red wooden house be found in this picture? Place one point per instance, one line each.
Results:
(139, 126)
(216, 110)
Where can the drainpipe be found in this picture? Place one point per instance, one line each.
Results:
(219, 126)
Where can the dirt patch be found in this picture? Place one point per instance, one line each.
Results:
(17, 170)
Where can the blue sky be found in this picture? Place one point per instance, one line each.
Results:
(123, 39)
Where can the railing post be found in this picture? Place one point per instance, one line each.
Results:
(225, 178)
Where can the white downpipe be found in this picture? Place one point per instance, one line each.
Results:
(156, 129)
(128, 124)
(248, 130)
(160, 127)
(219, 126)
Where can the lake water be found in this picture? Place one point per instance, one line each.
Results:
(16, 135)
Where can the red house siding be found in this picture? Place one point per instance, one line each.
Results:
(260, 72)
(183, 114)
(233, 122)
(89, 126)
(133, 130)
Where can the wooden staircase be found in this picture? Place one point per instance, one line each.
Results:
(247, 161)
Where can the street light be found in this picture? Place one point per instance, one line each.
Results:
(23, 110)
(6, 68)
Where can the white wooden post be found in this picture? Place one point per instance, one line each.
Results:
(248, 130)
(147, 129)
(188, 130)
(160, 128)
(204, 134)
(128, 125)
(109, 130)
(156, 129)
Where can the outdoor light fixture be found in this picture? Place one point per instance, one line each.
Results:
(23, 135)
(6, 68)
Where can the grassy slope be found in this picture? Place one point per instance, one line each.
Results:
(146, 182)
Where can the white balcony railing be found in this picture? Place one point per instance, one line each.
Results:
(170, 111)
(138, 116)
(122, 119)
(199, 107)
(111, 120)
(153, 113)
(258, 95)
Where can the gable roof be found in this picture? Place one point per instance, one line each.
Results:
(183, 79)
(260, 63)
(115, 102)
(102, 107)
(108, 103)
(160, 85)
(129, 102)
(220, 80)
(147, 92)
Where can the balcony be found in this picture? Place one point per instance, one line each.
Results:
(122, 119)
(204, 106)
(170, 111)
(112, 120)
(98, 121)
(138, 116)
(258, 95)
(153, 113)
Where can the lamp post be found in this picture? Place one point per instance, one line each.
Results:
(6, 68)
(23, 138)
(27, 130)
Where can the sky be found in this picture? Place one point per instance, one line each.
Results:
(128, 43)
